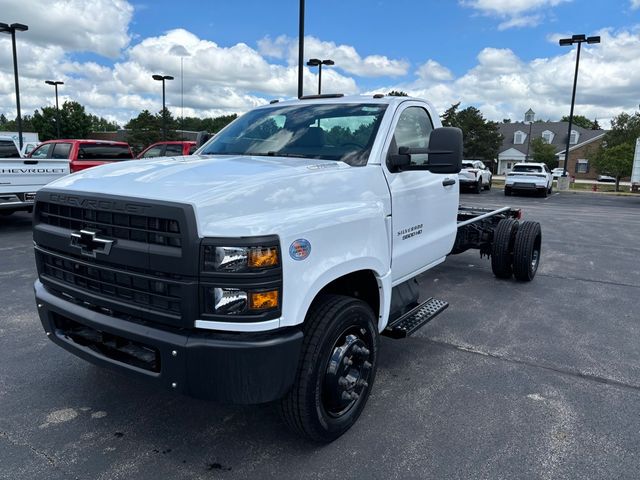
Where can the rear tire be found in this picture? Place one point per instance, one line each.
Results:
(507, 192)
(502, 247)
(526, 251)
(478, 188)
(336, 371)
(488, 185)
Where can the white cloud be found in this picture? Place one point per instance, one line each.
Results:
(433, 71)
(346, 57)
(515, 13)
(635, 4)
(502, 85)
(99, 26)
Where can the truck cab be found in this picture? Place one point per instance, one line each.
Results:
(265, 266)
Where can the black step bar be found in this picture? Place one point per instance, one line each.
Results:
(416, 318)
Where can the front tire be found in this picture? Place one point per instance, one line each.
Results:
(488, 185)
(478, 188)
(336, 371)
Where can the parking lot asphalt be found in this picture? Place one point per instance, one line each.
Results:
(515, 380)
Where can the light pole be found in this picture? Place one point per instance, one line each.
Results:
(162, 78)
(11, 29)
(181, 52)
(300, 48)
(55, 84)
(579, 39)
(316, 62)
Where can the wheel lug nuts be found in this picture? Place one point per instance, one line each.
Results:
(362, 383)
(343, 382)
(366, 364)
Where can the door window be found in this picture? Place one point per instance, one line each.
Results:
(173, 149)
(61, 150)
(153, 152)
(413, 130)
(42, 151)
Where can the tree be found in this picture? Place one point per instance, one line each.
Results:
(74, 121)
(482, 139)
(208, 124)
(543, 152)
(596, 125)
(144, 130)
(616, 161)
(506, 120)
(397, 93)
(99, 124)
(579, 120)
(615, 155)
(3, 120)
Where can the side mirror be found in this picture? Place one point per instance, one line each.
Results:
(445, 150)
(202, 137)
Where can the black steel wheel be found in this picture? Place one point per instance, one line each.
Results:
(336, 371)
(526, 251)
(502, 247)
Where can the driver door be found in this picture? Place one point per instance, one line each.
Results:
(424, 205)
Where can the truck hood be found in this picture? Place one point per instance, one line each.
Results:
(231, 195)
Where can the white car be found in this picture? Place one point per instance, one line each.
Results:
(529, 177)
(476, 175)
(557, 172)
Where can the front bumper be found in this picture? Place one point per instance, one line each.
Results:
(242, 368)
(523, 185)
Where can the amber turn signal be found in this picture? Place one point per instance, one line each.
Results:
(263, 300)
(263, 257)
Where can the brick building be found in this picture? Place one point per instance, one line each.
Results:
(517, 137)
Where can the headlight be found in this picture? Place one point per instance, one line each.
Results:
(239, 259)
(236, 301)
(240, 279)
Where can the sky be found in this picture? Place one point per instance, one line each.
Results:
(500, 56)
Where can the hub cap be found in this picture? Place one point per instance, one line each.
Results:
(347, 373)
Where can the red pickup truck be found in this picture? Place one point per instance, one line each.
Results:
(84, 153)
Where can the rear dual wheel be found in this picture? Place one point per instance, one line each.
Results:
(516, 249)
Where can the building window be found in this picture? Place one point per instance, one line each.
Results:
(574, 137)
(582, 165)
(518, 138)
(547, 136)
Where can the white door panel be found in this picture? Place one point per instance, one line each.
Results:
(424, 205)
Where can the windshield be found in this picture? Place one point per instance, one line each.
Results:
(467, 164)
(325, 131)
(527, 168)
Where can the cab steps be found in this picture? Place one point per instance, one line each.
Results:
(414, 319)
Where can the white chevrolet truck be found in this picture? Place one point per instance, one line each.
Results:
(265, 267)
(20, 178)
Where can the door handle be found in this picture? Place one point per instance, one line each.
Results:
(448, 181)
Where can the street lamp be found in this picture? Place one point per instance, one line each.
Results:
(300, 47)
(162, 78)
(55, 84)
(11, 29)
(316, 62)
(579, 39)
(182, 52)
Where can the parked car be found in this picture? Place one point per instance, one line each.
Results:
(557, 173)
(476, 175)
(606, 178)
(169, 149)
(84, 153)
(28, 147)
(532, 177)
(8, 148)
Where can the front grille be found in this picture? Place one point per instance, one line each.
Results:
(147, 291)
(126, 226)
